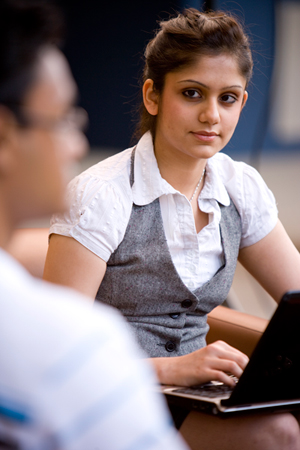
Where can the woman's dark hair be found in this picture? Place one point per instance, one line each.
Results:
(26, 26)
(181, 40)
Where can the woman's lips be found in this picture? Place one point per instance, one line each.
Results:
(205, 136)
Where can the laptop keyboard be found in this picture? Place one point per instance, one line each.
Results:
(209, 390)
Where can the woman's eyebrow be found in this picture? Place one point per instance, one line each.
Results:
(207, 87)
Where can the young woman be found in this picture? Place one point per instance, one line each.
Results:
(156, 230)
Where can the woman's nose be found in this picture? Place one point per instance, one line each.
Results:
(210, 112)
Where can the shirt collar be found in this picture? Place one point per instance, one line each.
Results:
(148, 182)
(214, 187)
(149, 185)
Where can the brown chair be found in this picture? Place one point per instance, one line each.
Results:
(237, 328)
(241, 330)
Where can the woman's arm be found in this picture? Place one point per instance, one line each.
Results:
(274, 262)
(71, 264)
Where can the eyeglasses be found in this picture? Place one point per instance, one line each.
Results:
(76, 118)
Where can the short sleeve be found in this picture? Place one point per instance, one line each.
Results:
(98, 214)
(255, 203)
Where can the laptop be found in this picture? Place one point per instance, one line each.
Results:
(271, 379)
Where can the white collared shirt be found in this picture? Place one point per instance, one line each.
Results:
(101, 201)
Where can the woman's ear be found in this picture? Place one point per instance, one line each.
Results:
(245, 98)
(150, 97)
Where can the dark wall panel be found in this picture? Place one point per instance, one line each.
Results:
(104, 45)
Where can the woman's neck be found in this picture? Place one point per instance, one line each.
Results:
(183, 173)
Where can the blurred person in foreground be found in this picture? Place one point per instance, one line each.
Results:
(71, 377)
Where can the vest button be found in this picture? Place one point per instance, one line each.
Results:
(170, 346)
(174, 315)
(186, 303)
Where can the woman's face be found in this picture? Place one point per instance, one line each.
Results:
(199, 108)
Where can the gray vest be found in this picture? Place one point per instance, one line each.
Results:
(142, 282)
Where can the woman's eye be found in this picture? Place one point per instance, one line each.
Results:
(192, 93)
(228, 98)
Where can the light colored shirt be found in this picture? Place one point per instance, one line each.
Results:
(101, 200)
(71, 375)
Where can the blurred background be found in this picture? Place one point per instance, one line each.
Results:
(104, 45)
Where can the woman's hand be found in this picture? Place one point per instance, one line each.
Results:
(214, 362)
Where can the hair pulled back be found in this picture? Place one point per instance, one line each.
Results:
(181, 40)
